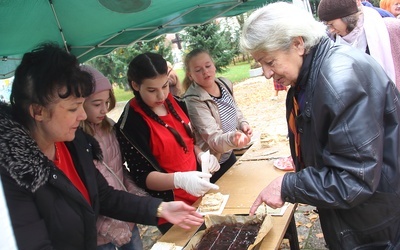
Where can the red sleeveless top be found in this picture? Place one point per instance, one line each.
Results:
(167, 151)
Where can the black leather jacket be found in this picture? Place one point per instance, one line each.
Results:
(350, 144)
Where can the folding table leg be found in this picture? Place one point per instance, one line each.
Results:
(291, 235)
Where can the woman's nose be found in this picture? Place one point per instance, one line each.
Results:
(161, 95)
(82, 116)
(104, 108)
(267, 72)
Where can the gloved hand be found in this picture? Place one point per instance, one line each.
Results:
(213, 164)
(118, 233)
(193, 183)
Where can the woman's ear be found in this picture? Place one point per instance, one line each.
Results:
(298, 45)
(189, 76)
(135, 86)
(36, 111)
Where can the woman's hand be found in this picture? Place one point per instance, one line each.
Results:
(247, 129)
(240, 139)
(181, 214)
(271, 195)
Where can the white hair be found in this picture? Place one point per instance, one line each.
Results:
(274, 26)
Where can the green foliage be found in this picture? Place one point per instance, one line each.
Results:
(374, 2)
(115, 65)
(216, 41)
(106, 65)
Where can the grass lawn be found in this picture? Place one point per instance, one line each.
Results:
(235, 73)
(122, 95)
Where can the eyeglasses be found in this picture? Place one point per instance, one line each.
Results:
(329, 25)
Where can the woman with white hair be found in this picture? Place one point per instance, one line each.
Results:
(343, 116)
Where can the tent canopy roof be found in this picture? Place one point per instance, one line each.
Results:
(88, 28)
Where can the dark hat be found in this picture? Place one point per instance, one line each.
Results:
(333, 9)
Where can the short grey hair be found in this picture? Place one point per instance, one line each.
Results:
(274, 26)
(351, 21)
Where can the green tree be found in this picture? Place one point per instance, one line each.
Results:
(110, 66)
(375, 2)
(115, 65)
(209, 36)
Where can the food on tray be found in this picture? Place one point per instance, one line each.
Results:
(285, 163)
(229, 236)
(211, 202)
(163, 246)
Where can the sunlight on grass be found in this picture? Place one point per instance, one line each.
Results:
(235, 73)
(122, 95)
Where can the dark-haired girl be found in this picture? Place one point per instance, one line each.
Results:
(156, 138)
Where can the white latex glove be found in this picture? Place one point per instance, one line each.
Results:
(193, 183)
(213, 164)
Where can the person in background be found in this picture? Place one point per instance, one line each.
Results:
(361, 27)
(393, 26)
(278, 87)
(218, 123)
(174, 83)
(393, 6)
(53, 190)
(343, 112)
(382, 12)
(111, 233)
(156, 137)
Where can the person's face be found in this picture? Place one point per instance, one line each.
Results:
(282, 66)
(337, 26)
(395, 9)
(96, 106)
(153, 91)
(202, 70)
(59, 121)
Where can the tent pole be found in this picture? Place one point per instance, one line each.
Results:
(59, 25)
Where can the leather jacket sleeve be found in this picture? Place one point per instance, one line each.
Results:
(353, 133)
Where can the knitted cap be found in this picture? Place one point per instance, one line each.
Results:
(102, 82)
(329, 10)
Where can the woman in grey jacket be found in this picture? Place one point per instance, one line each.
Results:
(218, 123)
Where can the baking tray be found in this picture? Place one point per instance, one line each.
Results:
(265, 227)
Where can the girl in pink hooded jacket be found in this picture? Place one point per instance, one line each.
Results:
(111, 233)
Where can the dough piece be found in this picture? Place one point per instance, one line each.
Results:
(163, 246)
(211, 202)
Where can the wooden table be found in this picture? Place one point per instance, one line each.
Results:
(243, 182)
